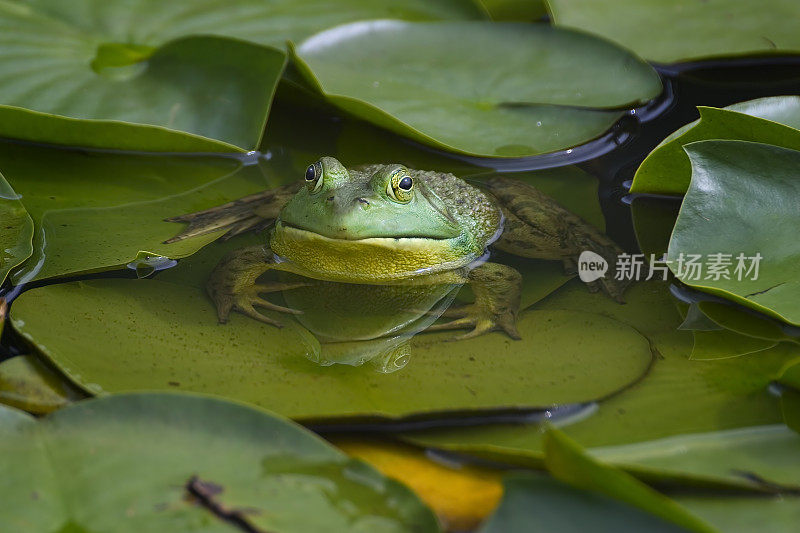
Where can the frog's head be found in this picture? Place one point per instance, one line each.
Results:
(357, 225)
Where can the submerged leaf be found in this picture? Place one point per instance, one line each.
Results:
(489, 89)
(181, 463)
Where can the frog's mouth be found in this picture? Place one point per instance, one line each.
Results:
(308, 233)
(369, 258)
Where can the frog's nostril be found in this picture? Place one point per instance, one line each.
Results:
(330, 198)
(363, 201)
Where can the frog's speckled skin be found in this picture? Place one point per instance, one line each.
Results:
(358, 226)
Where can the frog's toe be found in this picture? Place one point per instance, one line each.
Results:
(251, 311)
(261, 302)
(224, 311)
(481, 321)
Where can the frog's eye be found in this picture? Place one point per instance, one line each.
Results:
(401, 187)
(314, 176)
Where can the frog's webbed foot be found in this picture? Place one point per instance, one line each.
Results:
(248, 299)
(232, 285)
(497, 290)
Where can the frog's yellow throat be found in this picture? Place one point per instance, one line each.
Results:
(372, 259)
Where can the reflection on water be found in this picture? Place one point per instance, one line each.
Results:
(356, 324)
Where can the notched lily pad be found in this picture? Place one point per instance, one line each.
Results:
(488, 89)
(97, 210)
(170, 462)
(742, 203)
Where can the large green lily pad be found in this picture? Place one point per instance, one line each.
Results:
(743, 200)
(16, 230)
(678, 396)
(774, 120)
(98, 210)
(161, 462)
(489, 89)
(183, 75)
(687, 30)
(166, 336)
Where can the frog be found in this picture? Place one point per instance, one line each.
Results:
(391, 224)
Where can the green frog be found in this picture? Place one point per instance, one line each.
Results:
(388, 224)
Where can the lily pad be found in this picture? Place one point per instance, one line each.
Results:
(169, 462)
(17, 230)
(774, 120)
(166, 336)
(488, 89)
(687, 30)
(742, 201)
(97, 210)
(162, 76)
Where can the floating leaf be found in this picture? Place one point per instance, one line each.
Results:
(774, 120)
(183, 75)
(567, 462)
(166, 336)
(687, 30)
(17, 230)
(169, 462)
(97, 210)
(544, 504)
(489, 89)
(743, 202)
(28, 384)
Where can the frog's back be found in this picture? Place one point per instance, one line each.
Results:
(471, 207)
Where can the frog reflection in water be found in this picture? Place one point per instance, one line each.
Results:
(387, 224)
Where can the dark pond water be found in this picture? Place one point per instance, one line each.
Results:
(571, 352)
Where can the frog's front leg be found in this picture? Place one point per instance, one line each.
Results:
(232, 285)
(497, 291)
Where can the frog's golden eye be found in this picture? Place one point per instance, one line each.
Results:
(314, 176)
(401, 187)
